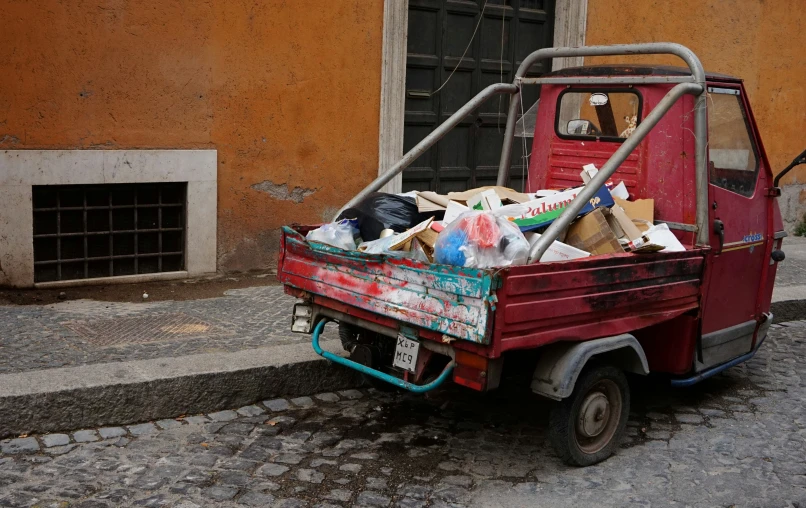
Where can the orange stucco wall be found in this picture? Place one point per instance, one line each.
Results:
(287, 91)
(761, 41)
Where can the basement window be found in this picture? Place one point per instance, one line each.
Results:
(90, 231)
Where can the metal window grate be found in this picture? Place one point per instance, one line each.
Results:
(89, 231)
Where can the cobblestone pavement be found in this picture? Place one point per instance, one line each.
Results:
(734, 440)
(42, 337)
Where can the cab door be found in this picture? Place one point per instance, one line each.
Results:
(738, 216)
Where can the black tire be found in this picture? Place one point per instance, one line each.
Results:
(348, 335)
(605, 395)
(351, 342)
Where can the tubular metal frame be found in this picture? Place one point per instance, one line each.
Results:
(693, 85)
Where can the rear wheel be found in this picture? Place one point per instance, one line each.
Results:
(586, 427)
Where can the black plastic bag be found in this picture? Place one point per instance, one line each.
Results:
(380, 211)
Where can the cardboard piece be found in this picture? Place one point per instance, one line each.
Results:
(660, 234)
(642, 225)
(504, 194)
(627, 231)
(557, 251)
(404, 239)
(588, 172)
(485, 200)
(453, 211)
(542, 212)
(428, 237)
(420, 251)
(620, 191)
(640, 209)
(621, 224)
(430, 202)
(592, 234)
(395, 242)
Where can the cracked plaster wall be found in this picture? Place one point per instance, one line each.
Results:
(287, 92)
(760, 41)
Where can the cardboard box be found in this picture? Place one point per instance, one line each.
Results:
(542, 212)
(640, 209)
(485, 200)
(557, 251)
(592, 234)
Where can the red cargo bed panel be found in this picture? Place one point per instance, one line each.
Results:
(448, 300)
(594, 297)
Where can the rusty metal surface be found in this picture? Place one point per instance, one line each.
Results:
(142, 329)
(449, 300)
(594, 297)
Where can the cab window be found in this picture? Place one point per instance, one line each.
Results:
(608, 115)
(732, 155)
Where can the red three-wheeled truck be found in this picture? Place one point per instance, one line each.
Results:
(693, 147)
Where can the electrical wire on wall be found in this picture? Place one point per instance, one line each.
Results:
(472, 37)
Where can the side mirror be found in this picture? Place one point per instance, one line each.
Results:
(578, 127)
(800, 159)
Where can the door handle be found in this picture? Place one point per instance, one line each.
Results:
(719, 229)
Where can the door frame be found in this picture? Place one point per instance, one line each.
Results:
(570, 19)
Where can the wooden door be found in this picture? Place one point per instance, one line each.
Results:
(494, 36)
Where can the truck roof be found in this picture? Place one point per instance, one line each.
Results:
(635, 70)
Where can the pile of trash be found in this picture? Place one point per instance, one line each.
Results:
(495, 226)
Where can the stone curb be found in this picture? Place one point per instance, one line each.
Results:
(272, 411)
(111, 394)
(788, 310)
(53, 400)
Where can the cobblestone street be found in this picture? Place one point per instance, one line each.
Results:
(737, 439)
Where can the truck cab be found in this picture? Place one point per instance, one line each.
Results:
(585, 124)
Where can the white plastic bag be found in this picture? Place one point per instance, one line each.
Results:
(481, 240)
(336, 234)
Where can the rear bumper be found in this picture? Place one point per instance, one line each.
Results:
(446, 372)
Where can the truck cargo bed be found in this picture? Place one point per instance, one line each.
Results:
(513, 308)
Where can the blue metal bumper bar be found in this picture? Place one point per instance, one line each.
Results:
(716, 370)
(376, 373)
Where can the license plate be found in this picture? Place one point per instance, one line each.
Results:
(406, 353)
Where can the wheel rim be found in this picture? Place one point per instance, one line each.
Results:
(598, 416)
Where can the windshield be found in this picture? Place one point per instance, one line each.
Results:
(609, 115)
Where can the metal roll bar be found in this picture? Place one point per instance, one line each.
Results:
(652, 48)
(431, 139)
(695, 85)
